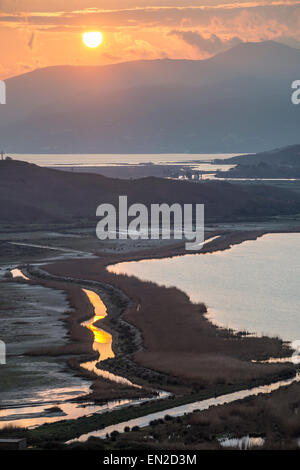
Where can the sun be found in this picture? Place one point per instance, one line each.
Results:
(92, 39)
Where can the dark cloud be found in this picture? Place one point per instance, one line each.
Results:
(211, 45)
(31, 40)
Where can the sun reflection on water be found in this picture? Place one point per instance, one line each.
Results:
(102, 341)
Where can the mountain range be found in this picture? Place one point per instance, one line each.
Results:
(237, 101)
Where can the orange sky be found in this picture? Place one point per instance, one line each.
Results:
(39, 33)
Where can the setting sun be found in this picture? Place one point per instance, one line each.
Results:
(92, 39)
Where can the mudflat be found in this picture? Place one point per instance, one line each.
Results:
(177, 339)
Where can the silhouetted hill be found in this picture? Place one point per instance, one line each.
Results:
(31, 194)
(282, 156)
(278, 163)
(237, 101)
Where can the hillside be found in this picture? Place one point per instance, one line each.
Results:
(289, 155)
(278, 163)
(31, 194)
(236, 101)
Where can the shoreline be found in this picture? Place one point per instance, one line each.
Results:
(80, 348)
(101, 275)
(183, 392)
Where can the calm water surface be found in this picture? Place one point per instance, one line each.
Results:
(181, 410)
(253, 286)
(115, 159)
(102, 341)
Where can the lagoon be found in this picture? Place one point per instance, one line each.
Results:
(252, 287)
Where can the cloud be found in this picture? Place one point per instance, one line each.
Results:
(31, 40)
(119, 5)
(139, 15)
(139, 29)
(211, 45)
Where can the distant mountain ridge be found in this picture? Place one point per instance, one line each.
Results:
(236, 101)
(289, 155)
(279, 163)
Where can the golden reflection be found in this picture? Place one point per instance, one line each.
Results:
(102, 341)
(99, 307)
(18, 273)
(101, 336)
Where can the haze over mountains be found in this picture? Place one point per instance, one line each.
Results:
(237, 101)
